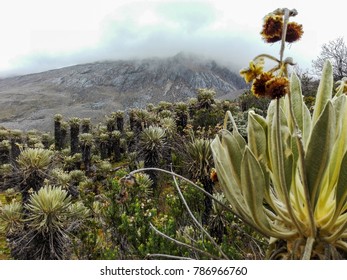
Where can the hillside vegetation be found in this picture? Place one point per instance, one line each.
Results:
(96, 89)
(69, 196)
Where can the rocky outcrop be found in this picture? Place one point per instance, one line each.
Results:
(95, 89)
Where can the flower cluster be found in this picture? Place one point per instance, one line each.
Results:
(274, 83)
(265, 84)
(273, 27)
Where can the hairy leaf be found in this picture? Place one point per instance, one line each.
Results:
(319, 150)
(253, 186)
(324, 90)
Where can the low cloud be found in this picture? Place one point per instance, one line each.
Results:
(154, 30)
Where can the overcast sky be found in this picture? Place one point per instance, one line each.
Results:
(38, 35)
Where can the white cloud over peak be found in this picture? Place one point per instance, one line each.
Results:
(39, 35)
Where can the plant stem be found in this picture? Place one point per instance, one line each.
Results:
(284, 33)
(267, 56)
(308, 248)
(278, 130)
(181, 243)
(196, 221)
(149, 256)
(297, 131)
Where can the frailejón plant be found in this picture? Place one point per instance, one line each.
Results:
(289, 180)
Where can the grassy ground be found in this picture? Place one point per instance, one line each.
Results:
(4, 251)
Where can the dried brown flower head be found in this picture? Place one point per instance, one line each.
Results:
(213, 175)
(294, 32)
(277, 87)
(272, 39)
(258, 87)
(272, 28)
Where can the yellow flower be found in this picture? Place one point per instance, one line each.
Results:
(254, 70)
(258, 87)
(277, 87)
(342, 85)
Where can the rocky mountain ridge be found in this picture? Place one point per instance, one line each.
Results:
(96, 89)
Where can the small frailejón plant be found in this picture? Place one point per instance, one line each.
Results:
(74, 134)
(199, 156)
(152, 142)
(45, 230)
(32, 168)
(289, 181)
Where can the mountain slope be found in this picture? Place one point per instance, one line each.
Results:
(93, 90)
